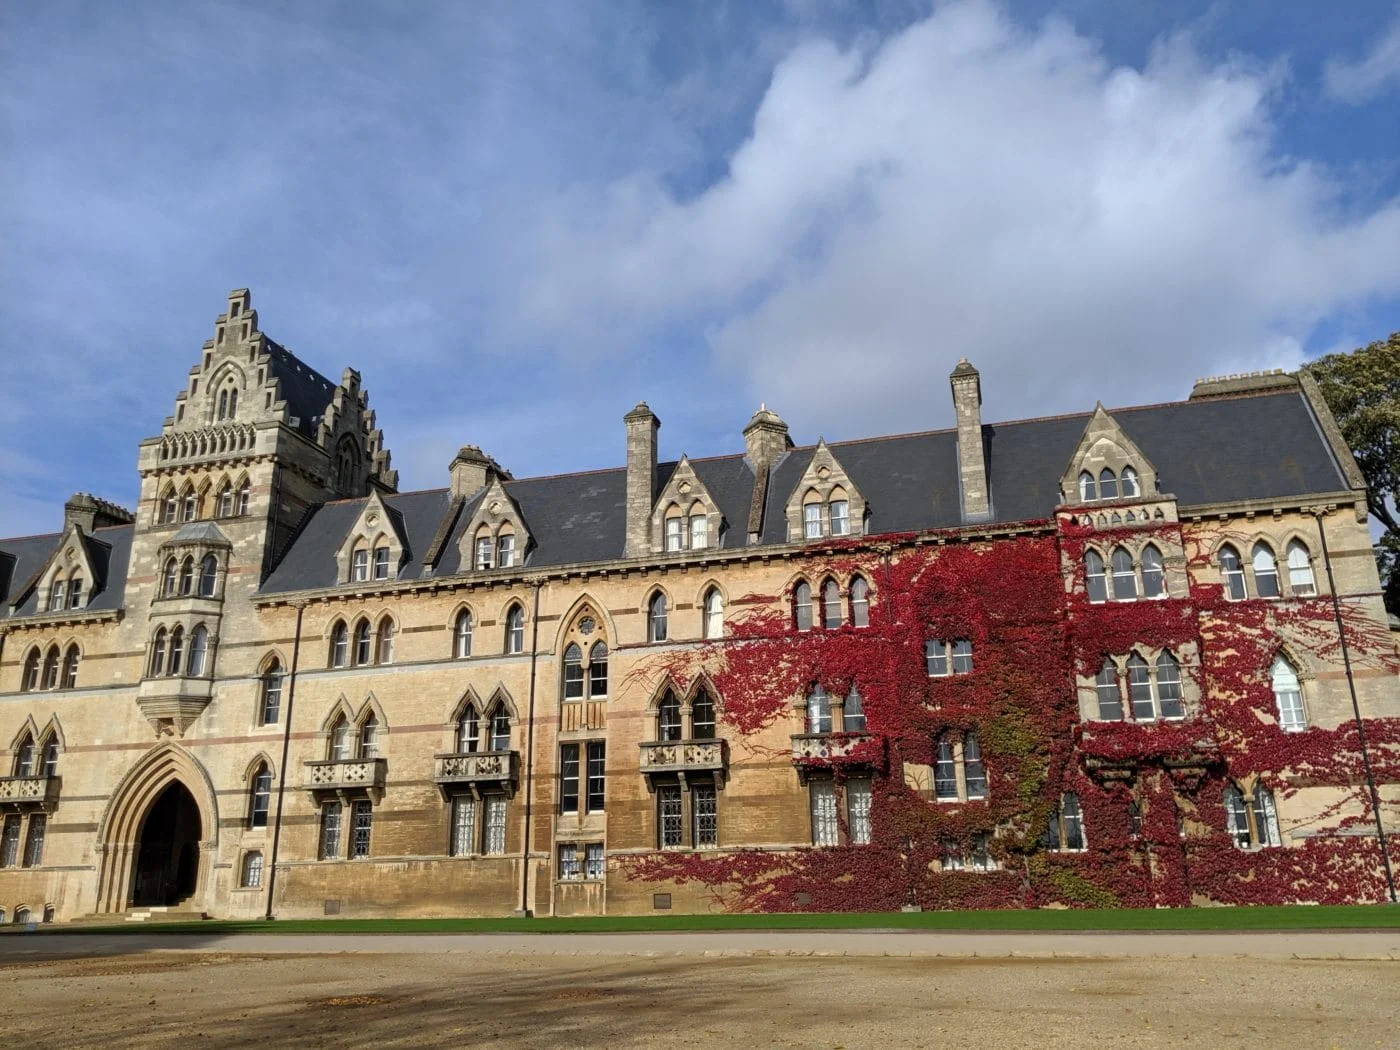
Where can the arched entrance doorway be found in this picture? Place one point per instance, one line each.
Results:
(167, 850)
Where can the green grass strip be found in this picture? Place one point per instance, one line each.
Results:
(1369, 916)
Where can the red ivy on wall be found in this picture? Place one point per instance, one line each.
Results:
(1031, 637)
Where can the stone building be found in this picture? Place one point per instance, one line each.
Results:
(280, 686)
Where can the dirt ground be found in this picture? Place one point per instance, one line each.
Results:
(187, 999)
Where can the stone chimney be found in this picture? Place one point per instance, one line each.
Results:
(91, 513)
(642, 426)
(473, 470)
(766, 439)
(972, 463)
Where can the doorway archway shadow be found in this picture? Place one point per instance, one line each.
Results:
(167, 849)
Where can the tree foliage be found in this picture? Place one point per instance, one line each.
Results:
(1362, 388)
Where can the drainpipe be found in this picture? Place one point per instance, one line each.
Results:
(1356, 714)
(286, 748)
(530, 757)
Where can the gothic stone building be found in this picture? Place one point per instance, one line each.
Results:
(1074, 660)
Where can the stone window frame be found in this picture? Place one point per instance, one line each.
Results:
(1135, 548)
(1244, 545)
(823, 481)
(1185, 659)
(958, 744)
(1057, 832)
(496, 515)
(1250, 801)
(51, 668)
(261, 766)
(341, 714)
(685, 499)
(462, 614)
(498, 705)
(161, 651)
(657, 607)
(1104, 447)
(271, 665)
(69, 564)
(374, 531)
(952, 652)
(1307, 686)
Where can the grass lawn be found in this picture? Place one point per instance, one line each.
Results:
(1368, 916)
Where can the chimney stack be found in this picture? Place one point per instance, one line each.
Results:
(473, 470)
(642, 426)
(766, 439)
(972, 463)
(90, 513)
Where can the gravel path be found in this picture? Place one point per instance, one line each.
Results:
(661, 990)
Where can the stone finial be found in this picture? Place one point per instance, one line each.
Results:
(642, 426)
(966, 383)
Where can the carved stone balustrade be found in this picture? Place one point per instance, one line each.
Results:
(477, 771)
(828, 750)
(36, 792)
(683, 757)
(348, 777)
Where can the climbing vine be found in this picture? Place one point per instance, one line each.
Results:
(1151, 793)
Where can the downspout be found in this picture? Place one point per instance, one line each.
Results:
(530, 757)
(286, 748)
(1356, 714)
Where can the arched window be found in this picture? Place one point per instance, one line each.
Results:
(702, 717)
(359, 563)
(1110, 695)
(1236, 816)
(1266, 831)
(831, 604)
(811, 515)
(1124, 576)
(573, 672)
(1300, 571)
(340, 740)
(598, 671)
(49, 759)
(860, 602)
(1169, 687)
(714, 614)
(515, 630)
(1088, 487)
(199, 651)
(802, 605)
(271, 693)
(223, 404)
(189, 508)
(187, 575)
(853, 712)
(1130, 482)
(244, 491)
(170, 585)
(462, 635)
(260, 797)
(384, 642)
(177, 651)
(468, 731)
(363, 650)
(340, 644)
(1232, 573)
(1265, 571)
(51, 668)
(1095, 581)
(57, 593)
(251, 875)
(29, 680)
(168, 507)
(224, 506)
(24, 757)
(500, 728)
(70, 668)
(699, 527)
(818, 710)
(505, 549)
(839, 514)
(668, 718)
(1153, 583)
(208, 576)
(75, 592)
(369, 737)
(945, 770)
(674, 528)
(484, 558)
(381, 563)
(1288, 695)
(1140, 689)
(1108, 484)
(656, 618)
(157, 654)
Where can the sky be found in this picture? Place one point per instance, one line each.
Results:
(519, 218)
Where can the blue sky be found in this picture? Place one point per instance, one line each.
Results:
(517, 219)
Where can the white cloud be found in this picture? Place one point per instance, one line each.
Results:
(972, 188)
(1361, 81)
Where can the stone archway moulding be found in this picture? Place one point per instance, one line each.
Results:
(117, 835)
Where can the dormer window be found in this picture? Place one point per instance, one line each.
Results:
(381, 563)
(1108, 484)
(1088, 487)
(1129, 481)
(812, 518)
(57, 593)
(505, 550)
(359, 565)
(674, 525)
(840, 513)
(483, 551)
(686, 530)
(699, 531)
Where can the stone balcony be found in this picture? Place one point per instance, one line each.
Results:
(812, 751)
(476, 771)
(34, 792)
(171, 704)
(683, 757)
(347, 777)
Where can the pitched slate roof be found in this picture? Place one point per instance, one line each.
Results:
(306, 391)
(1205, 451)
(108, 550)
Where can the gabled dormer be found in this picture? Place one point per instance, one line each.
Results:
(495, 536)
(826, 502)
(70, 578)
(376, 546)
(686, 516)
(1107, 465)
